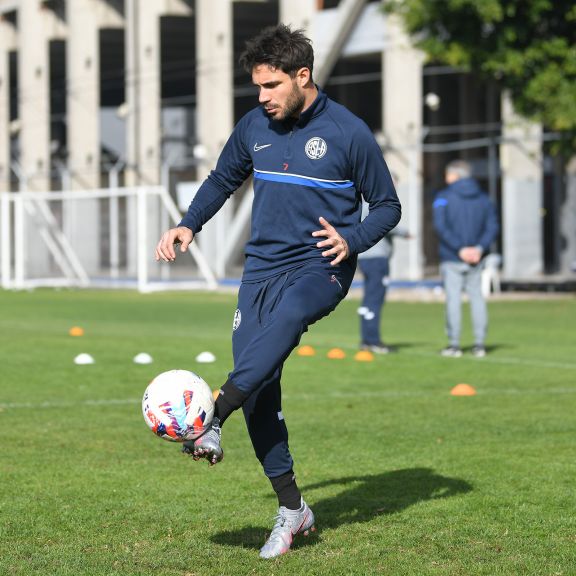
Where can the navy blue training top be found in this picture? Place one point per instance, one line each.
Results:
(318, 165)
(464, 215)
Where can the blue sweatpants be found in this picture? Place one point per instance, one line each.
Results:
(271, 317)
(375, 272)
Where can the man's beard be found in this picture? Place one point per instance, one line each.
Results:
(293, 106)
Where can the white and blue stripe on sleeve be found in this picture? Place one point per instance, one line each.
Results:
(287, 178)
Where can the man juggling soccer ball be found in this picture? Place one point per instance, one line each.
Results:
(312, 162)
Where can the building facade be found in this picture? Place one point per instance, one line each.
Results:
(104, 93)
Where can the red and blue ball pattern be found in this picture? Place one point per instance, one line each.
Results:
(178, 405)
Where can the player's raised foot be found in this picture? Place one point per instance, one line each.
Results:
(208, 445)
(288, 523)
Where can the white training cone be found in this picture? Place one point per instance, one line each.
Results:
(143, 358)
(83, 359)
(205, 357)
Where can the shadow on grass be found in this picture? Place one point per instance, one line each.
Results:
(360, 499)
(366, 497)
(491, 348)
(399, 346)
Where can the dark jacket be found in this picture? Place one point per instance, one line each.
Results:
(464, 216)
(323, 164)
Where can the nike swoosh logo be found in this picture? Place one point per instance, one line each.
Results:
(256, 147)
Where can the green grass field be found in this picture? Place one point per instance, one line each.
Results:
(404, 478)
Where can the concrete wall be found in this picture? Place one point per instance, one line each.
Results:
(354, 29)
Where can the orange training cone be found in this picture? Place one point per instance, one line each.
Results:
(306, 351)
(463, 390)
(76, 331)
(336, 354)
(364, 356)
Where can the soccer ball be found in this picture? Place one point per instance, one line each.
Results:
(178, 405)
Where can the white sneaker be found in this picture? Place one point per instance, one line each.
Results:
(478, 351)
(288, 524)
(380, 348)
(451, 352)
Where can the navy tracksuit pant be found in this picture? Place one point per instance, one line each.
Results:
(376, 272)
(271, 317)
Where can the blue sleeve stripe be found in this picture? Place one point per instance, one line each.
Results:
(286, 178)
(440, 202)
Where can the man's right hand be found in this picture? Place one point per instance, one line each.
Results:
(165, 247)
(470, 254)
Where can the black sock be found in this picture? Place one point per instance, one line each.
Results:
(287, 491)
(229, 399)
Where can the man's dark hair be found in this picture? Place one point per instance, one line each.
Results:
(281, 48)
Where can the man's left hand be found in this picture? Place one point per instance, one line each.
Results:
(338, 246)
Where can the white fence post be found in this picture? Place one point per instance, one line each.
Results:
(141, 252)
(19, 251)
(5, 238)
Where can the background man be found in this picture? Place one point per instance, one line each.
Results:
(375, 267)
(466, 222)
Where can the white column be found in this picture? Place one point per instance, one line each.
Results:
(82, 219)
(35, 28)
(83, 103)
(214, 110)
(142, 108)
(34, 94)
(143, 91)
(7, 43)
(143, 105)
(568, 222)
(299, 14)
(402, 114)
(521, 164)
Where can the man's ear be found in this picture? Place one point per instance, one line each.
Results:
(303, 76)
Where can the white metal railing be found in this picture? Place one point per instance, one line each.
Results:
(20, 210)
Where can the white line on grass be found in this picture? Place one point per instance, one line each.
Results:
(307, 395)
(503, 360)
(109, 402)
